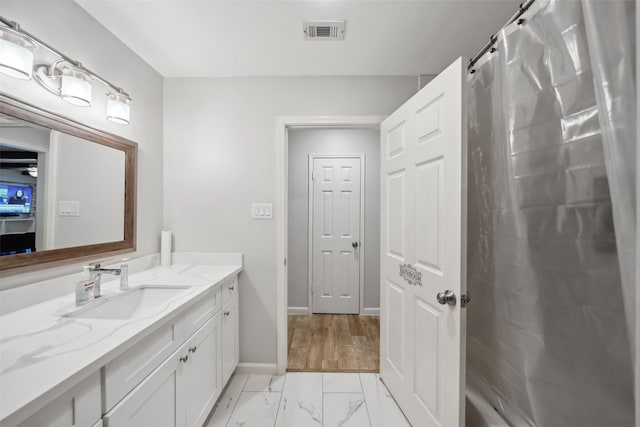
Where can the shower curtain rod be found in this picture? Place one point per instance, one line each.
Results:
(494, 38)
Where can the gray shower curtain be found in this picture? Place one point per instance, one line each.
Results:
(551, 216)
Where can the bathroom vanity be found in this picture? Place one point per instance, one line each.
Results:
(159, 353)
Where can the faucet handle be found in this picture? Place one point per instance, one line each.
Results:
(98, 264)
(94, 265)
(124, 274)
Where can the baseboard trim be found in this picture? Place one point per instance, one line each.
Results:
(298, 310)
(370, 311)
(256, 368)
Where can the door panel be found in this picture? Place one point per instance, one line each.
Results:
(335, 223)
(426, 360)
(396, 214)
(423, 250)
(429, 180)
(395, 345)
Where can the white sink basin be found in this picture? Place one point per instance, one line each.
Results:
(137, 302)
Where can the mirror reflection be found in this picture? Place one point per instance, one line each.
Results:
(57, 190)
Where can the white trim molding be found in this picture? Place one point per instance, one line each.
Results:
(370, 311)
(298, 310)
(283, 124)
(256, 368)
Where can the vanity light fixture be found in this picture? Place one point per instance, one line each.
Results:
(118, 107)
(75, 87)
(16, 53)
(65, 77)
(69, 81)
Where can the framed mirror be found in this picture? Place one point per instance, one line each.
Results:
(67, 191)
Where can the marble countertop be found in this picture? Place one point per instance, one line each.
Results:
(43, 354)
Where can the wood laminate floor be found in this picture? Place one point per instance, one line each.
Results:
(333, 343)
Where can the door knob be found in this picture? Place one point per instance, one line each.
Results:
(446, 297)
(354, 245)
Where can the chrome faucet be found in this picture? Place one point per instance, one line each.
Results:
(96, 271)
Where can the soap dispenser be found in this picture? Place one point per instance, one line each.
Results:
(84, 288)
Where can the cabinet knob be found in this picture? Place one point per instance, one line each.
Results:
(226, 313)
(231, 288)
(184, 358)
(193, 349)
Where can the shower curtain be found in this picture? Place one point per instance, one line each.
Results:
(551, 216)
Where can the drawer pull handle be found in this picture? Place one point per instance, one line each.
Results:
(226, 313)
(184, 358)
(231, 288)
(193, 349)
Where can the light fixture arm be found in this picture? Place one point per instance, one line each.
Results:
(15, 27)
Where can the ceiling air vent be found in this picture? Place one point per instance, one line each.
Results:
(323, 30)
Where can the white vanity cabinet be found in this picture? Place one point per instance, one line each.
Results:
(181, 391)
(169, 371)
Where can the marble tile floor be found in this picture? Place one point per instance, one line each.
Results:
(301, 399)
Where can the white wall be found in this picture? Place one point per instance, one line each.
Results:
(93, 175)
(303, 142)
(66, 26)
(220, 157)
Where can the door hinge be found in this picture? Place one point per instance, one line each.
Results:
(464, 300)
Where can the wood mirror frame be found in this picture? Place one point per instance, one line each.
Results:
(55, 257)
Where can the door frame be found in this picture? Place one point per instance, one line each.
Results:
(283, 124)
(362, 158)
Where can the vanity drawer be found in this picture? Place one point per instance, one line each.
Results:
(198, 314)
(79, 407)
(126, 371)
(229, 289)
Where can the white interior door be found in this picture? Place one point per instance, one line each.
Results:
(423, 251)
(336, 235)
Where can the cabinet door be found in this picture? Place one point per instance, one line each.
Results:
(202, 375)
(79, 407)
(158, 401)
(230, 338)
(126, 371)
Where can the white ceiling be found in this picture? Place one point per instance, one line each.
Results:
(212, 38)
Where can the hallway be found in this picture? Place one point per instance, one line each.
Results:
(333, 343)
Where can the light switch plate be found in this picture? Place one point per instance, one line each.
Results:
(262, 211)
(68, 208)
